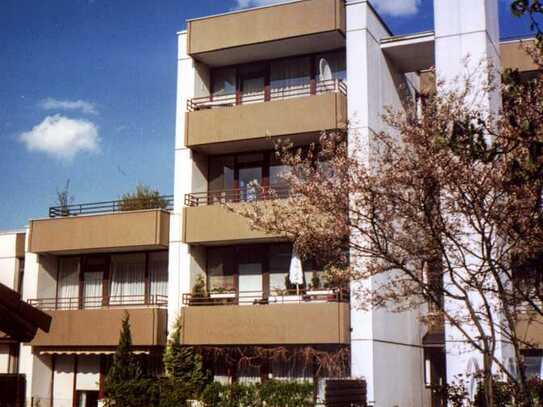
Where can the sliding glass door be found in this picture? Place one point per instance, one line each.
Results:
(93, 277)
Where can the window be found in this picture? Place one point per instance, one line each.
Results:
(331, 65)
(68, 283)
(220, 268)
(289, 77)
(127, 278)
(279, 266)
(534, 366)
(224, 81)
(158, 276)
(93, 281)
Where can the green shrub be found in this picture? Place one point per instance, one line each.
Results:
(144, 197)
(271, 393)
(286, 393)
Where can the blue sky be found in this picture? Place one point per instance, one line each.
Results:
(87, 93)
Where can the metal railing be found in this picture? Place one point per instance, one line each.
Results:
(74, 303)
(162, 202)
(236, 195)
(287, 92)
(300, 296)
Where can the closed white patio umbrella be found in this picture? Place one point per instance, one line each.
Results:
(296, 273)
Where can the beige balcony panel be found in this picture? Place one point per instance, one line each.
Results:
(215, 224)
(122, 231)
(514, 56)
(530, 329)
(308, 114)
(282, 30)
(102, 327)
(321, 323)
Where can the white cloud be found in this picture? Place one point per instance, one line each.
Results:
(62, 137)
(256, 3)
(74, 105)
(397, 8)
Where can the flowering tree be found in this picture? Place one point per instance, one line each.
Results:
(442, 208)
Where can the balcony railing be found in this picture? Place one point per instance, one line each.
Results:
(288, 92)
(119, 301)
(236, 195)
(163, 202)
(302, 296)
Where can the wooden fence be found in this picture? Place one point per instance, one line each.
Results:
(346, 393)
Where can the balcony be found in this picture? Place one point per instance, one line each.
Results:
(207, 220)
(92, 323)
(304, 109)
(300, 27)
(285, 317)
(99, 227)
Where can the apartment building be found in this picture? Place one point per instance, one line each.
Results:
(245, 79)
(86, 265)
(12, 257)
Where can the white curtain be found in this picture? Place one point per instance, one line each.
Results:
(292, 369)
(249, 374)
(290, 78)
(158, 275)
(68, 283)
(92, 289)
(127, 279)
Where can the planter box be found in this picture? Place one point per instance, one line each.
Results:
(285, 299)
(222, 295)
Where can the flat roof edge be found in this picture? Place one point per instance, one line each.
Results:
(245, 10)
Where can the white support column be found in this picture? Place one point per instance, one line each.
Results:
(385, 346)
(37, 369)
(467, 45)
(192, 81)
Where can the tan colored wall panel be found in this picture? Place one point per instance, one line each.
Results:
(20, 245)
(260, 120)
(530, 329)
(216, 224)
(122, 230)
(267, 24)
(317, 323)
(514, 55)
(102, 328)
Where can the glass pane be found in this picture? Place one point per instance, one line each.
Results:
(249, 180)
(533, 366)
(92, 289)
(219, 271)
(331, 65)
(289, 77)
(250, 274)
(224, 81)
(68, 283)
(279, 265)
(252, 89)
(277, 180)
(158, 276)
(127, 279)
(221, 173)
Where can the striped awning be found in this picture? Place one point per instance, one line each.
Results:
(88, 352)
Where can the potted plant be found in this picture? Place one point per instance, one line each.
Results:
(317, 290)
(223, 295)
(337, 281)
(199, 294)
